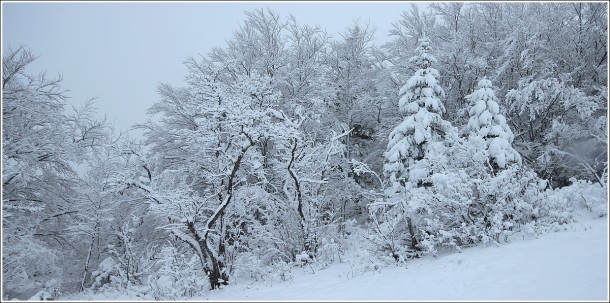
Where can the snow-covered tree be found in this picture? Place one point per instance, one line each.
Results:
(421, 102)
(211, 128)
(258, 162)
(506, 192)
(487, 122)
(555, 120)
(114, 224)
(351, 72)
(410, 141)
(42, 146)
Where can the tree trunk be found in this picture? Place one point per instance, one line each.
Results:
(218, 276)
(82, 284)
(412, 233)
(297, 185)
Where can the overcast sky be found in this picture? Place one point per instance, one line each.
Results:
(119, 52)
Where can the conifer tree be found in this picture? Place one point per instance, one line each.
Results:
(408, 142)
(421, 101)
(487, 122)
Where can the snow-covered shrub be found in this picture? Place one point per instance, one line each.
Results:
(256, 226)
(47, 294)
(28, 273)
(280, 271)
(108, 274)
(560, 204)
(589, 195)
(131, 251)
(442, 210)
(361, 251)
(389, 224)
(330, 250)
(179, 276)
(459, 210)
(509, 199)
(365, 259)
(249, 267)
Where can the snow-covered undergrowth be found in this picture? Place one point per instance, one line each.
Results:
(580, 195)
(563, 256)
(567, 265)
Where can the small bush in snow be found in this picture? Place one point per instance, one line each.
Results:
(108, 274)
(179, 276)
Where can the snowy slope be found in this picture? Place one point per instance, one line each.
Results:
(568, 265)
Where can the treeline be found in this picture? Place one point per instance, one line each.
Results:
(459, 131)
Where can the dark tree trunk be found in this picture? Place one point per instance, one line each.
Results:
(307, 245)
(412, 233)
(218, 276)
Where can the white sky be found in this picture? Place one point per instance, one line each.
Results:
(120, 52)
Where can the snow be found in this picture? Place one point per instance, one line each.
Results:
(493, 107)
(485, 118)
(419, 136)
(568, 265)
(427, 92)
(418, 174)
(413, 107)
(500, 159)
(484, 82)
(475, 188)
(478, 108)
(486, 121)
(275, 113)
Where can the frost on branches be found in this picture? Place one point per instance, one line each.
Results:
(260, 165)
(487, 122)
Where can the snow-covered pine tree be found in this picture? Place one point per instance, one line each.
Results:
(487, 122)
(421, 101)
(409, 141)
(507, 193)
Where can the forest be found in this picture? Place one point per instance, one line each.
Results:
(475, 122)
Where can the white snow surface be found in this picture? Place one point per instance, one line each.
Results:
(567, 265)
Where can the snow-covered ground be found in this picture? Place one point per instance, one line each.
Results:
(567, 265)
